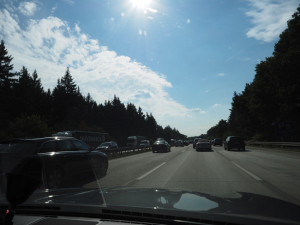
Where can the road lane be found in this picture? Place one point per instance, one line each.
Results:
(124, 170)
(278, 169)
(217, 172)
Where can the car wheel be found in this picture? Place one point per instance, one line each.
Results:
(54, 178)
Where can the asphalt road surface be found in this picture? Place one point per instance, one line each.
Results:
(222, 173)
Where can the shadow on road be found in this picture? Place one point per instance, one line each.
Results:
(236, 150)
(204, 150)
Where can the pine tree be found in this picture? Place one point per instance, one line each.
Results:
(7, 78)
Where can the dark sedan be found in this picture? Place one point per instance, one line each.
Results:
(234, 142)
(107, 145)
(160, 146)
(63, 159)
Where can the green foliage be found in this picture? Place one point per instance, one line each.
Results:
(274, 94)
(65, 108)
(33, 126)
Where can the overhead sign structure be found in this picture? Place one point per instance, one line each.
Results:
(285, 129)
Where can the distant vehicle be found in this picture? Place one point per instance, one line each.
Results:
(64, 159)
(217, 141)
(107, 145)
(135, 140)
(186, 143)
(203, 144)
(179, 143)
(160, 139)
(161, 145)
(234, 142)
(145, 143)
(92, 139)
(173, 141)
(195, 142)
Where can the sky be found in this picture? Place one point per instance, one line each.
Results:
(180, 60)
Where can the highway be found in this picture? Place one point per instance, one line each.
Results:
(273, 173)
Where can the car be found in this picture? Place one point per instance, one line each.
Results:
(234, 142)
(217, 141)
(195, 142)
(107, 145)
(179, 143)
(160, 139)
(161, 145)
(64, 159)
(145, 143)
(203, 144)
(186, 143)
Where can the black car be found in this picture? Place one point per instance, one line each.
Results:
(161, 145)
(179, 143)
(106, 145)
(217, 141)
(64, 159)
(234, 142)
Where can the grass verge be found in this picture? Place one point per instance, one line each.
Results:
(274, 147)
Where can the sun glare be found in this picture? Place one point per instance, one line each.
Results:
(140, 3)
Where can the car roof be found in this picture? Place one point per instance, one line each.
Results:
(43, 139)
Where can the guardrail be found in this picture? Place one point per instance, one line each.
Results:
(282, 144)
(126, 149)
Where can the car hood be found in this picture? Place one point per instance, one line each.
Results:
(247, 204)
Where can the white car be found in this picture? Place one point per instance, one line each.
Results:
(203, 145)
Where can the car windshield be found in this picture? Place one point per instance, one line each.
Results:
(157, 110)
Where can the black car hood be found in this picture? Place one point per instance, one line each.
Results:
(247, 204)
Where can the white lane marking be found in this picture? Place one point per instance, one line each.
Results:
(246, 171)
(146, 174)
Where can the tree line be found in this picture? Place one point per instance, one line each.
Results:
(273, 95)
(28, 111)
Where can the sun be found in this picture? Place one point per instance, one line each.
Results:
(141, 3)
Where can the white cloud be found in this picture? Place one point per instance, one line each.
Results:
(188, 21)
(140, 32)
(269, 18)
(221, 74)
(197, 110)
(207, 91)
(215, 105)
(145, 33)
(53, 9)
(50, 45)
(112, 19)
(122, 14)
(70, 2)
(27, 8)
(150, 17)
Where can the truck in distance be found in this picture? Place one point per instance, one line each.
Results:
(135, 140)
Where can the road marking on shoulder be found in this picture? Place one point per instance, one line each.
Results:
(146, 174)
(246, 171)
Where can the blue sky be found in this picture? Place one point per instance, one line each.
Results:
(182, 60)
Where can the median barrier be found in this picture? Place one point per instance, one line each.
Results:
(125, 149)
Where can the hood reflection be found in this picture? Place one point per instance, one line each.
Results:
(246, 204)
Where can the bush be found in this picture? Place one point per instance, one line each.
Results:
(33, 126)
